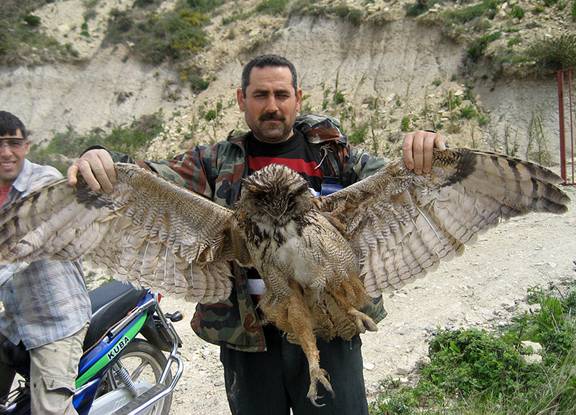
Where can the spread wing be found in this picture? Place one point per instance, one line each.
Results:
(402, 225)
(148, 230)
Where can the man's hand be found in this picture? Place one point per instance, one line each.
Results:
(417, 150)
(97, 168)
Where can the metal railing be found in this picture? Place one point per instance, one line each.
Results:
(565, 82)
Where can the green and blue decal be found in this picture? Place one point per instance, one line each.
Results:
(101, 356)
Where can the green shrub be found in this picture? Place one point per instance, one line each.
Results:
(475, 372)
(174, 35)
(468, 112)
(478, 46)
(204, 6)
(145, 3)
(84, 29)
(516, 40)
(452, 101)
(405, 123)
(272, 7)
(130, 139)
(196, 82)
(552, 54)
(420, 7)
(32, 20)
(487, 8)
(573, 11)
(483, 120)
(479, 361)
(21, 41)
(358, 134)
(338, 98)
(350, 14)
(517, 12)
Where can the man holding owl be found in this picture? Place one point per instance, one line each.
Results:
(264, 372)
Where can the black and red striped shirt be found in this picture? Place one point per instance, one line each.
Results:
(295, 153)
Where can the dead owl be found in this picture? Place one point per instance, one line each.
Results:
(321, 259)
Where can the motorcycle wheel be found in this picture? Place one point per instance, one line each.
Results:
(144, 363)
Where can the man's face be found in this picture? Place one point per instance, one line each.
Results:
(271, 104)
(13, 150)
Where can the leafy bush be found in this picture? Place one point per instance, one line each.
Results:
(338, 98)
(204, 6)
(341, 10)
(487, 8)
(475, 372)
(21, 41)
(405, 123)
(516, 40)
(131, 139)
(173, 35)
(272, 7)
(32, 20)
(468, 112)
(517, 12)
(350, 14)
(358, 134)
(420, 7)
(478, 46)
(551, 54)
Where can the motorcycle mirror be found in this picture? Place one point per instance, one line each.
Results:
(175, 316)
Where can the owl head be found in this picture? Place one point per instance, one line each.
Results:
(276, 192)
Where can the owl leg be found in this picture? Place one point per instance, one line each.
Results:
(293, 316)
(301, 321)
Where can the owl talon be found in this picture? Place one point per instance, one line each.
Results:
(363, 322)
(317, 405)
(318, 375)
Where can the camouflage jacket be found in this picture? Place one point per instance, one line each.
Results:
(215, 171)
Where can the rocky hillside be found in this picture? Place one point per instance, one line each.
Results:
(480, 72)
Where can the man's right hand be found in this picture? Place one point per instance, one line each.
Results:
(97, 168)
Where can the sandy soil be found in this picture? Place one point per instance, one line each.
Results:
(482, 288)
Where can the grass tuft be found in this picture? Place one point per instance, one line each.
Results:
(477, 372)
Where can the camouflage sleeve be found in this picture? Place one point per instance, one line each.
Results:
(362, 164)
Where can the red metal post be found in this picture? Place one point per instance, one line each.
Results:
(571, 108)
(560, 83)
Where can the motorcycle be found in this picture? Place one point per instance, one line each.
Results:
(119, 373)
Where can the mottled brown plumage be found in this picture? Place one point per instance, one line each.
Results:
(321, 259)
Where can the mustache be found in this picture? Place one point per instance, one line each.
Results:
(271, 116)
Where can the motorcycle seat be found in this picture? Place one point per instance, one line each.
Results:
(110, 303)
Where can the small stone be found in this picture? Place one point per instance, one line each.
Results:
(535, 348)
(532, 359)
(369, 366)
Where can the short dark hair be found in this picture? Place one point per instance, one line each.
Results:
(9, 123)
(267, 60)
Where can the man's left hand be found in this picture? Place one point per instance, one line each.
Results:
(417, 150)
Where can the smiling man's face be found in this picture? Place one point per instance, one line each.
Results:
(271, 103)
(13, 150)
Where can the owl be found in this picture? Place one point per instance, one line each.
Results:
(321, 259)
